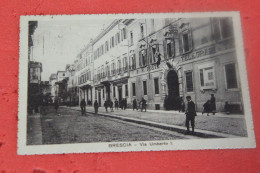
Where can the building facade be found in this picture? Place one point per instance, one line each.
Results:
(164, 60)
(85, 70)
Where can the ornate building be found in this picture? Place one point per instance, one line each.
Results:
(164, 60)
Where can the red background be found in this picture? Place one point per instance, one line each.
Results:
(245, 160)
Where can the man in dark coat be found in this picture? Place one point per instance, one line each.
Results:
(190, 114)
(96, 106)
(135, 105)
(143, 103)
(111, 104)
(206, 108)
(213, 104)
(83, 106)
(125, 103)
(106, 105)
(116, 104)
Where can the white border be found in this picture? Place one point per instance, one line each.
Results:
(190, 144)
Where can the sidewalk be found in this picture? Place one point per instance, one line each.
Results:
(34, 129)
(221, 124)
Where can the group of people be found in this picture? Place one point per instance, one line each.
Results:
(142, 105)
(109, 104)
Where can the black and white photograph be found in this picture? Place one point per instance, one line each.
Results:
(133, 82)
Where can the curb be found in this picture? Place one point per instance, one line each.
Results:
(180, 129)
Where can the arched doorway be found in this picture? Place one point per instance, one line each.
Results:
(172, 100)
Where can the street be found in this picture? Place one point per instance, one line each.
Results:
(69, 126)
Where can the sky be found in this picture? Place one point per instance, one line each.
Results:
(57, 43)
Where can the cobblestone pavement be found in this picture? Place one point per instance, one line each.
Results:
(229, 124)
(68, 126)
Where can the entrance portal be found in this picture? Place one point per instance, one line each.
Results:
(172, 101)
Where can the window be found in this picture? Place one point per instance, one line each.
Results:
(131, 38)
(226, 27)
(108, 71)
(124, 33)
(113, 42)
(142, 58)
(125, 64)
(222, 28)
(156, 86)
(145, 87)
(133, 61)
(106, 48)
(231, 77)
(126, 90)
(119, 66)
(118, 37)
(207, 76)
(185, 38)
(142, 30)
(189, 82)
(133, 89)
(186, 41)
(153, 57)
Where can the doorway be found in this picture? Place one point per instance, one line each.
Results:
(172, 101)
(119, 93)
(99, 98)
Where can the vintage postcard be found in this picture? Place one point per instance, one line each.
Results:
(133, 82)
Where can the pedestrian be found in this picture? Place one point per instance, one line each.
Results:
(106, 105)
(227, 108)
(116, 104)
(96, 106)
(83, 107)
(135, 105)
(206, 108)
(56, 105)
(213, 104)
(143, 103)
(190, 114)
(121, 103)
(125, 104)
(111, 106)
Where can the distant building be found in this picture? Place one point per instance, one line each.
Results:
(71, 85)
(61, 86)
(84, 72)
(46, 92)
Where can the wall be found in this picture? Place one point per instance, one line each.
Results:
(243, 160)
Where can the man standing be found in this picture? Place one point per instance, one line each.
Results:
(116, 104)
(106, 105)
(96, 106)
(190, 114)
(213, 104)
(83, 106)
(143, 102)
(135, 105)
